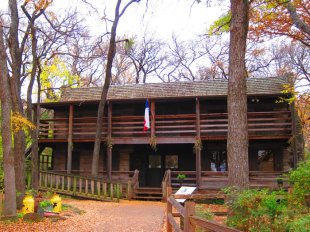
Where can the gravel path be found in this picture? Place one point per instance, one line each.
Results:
(101, 216)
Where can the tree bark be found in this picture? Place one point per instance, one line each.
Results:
(19, 137)
(108, 76)
(107, 80)
(301, 25)
(8, 157)
(237, 138)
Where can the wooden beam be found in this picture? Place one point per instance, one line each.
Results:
(294, 134)
(198, 150)
(70, 144)
(109, 147)
(153, 131)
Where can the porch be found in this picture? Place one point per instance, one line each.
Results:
(126, 184)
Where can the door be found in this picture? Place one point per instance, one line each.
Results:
(155, 171)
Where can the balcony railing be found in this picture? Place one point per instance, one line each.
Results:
(211, 125)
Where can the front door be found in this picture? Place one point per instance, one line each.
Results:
(155, 170)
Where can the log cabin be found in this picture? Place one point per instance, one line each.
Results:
(188, 132)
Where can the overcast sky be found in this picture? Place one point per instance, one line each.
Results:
(162, 18)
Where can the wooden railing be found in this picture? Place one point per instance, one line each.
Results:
(190, 178)
(212, 124)
(133, 184)
(188, 217)
(82, 186)
(166, 183)
(218, 180)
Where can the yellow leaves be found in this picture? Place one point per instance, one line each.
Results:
(38, 4)
(19, 122)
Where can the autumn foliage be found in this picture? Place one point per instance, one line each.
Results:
(271, 17)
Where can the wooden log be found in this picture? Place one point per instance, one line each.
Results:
(86, 186)
(177, 205)
(210, 225)
(129, 190)
(111, 191)
(189, 211)
(81, 184)
(63, 183)
(172, 223)
(74, 185)
(70, 144)
(92, 187)
(169, 212)
(104, 189)
(98, 188)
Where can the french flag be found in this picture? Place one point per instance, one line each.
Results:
(146, 116)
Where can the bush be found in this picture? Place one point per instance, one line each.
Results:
(300, 178)
(265, 210)
(256, 210)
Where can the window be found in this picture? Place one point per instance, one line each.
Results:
(154, 161)
(172, 162)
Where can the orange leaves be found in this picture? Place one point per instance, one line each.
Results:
(38, 4)
(270, 17)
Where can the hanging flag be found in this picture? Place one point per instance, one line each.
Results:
(146, 116)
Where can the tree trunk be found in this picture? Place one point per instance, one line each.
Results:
(8, 158)
(237, 138)
(107, 80)
(19, 137)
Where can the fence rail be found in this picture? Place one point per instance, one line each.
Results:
(189, 219)
(277, 123)
(81, 186)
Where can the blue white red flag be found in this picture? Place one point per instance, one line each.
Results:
(146, 116)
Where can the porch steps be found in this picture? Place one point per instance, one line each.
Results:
(148, 194)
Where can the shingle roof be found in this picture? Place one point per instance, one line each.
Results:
(215, 87)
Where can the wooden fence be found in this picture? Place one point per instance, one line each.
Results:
(190, 220)
(87, 187)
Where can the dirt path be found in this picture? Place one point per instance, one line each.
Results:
(102, 216)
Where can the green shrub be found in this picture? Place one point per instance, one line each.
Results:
(301, 224)
(256, 210)
(300, 178)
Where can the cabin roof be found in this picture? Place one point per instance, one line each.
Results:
(215, 87)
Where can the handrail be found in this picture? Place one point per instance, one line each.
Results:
(166, 183)
(190, 219)
(211, 124)
(81, 186)
(133, 184)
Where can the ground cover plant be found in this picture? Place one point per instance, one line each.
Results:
(264, 210)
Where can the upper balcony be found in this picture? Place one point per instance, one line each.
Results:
(167, 128)
(184, 111)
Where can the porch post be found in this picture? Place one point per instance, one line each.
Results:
(294, 133)
(70, 144)
(109, 146)
(198, 139)
(153, 130)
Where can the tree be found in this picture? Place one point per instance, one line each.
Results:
(108, 76)
(8, 154)
(146, 56)
(237, 137)
(280, 18)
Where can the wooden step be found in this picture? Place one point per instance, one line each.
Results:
(148, 193)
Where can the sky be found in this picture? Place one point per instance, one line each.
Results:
(162, 18)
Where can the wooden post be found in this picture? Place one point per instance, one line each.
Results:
(70, 145)
(198, 150)
(169, 212)
(294, 133)
(189, 211)
(109, 146)
(153, 129)
(129, 190)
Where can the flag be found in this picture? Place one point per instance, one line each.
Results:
(146, 116)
